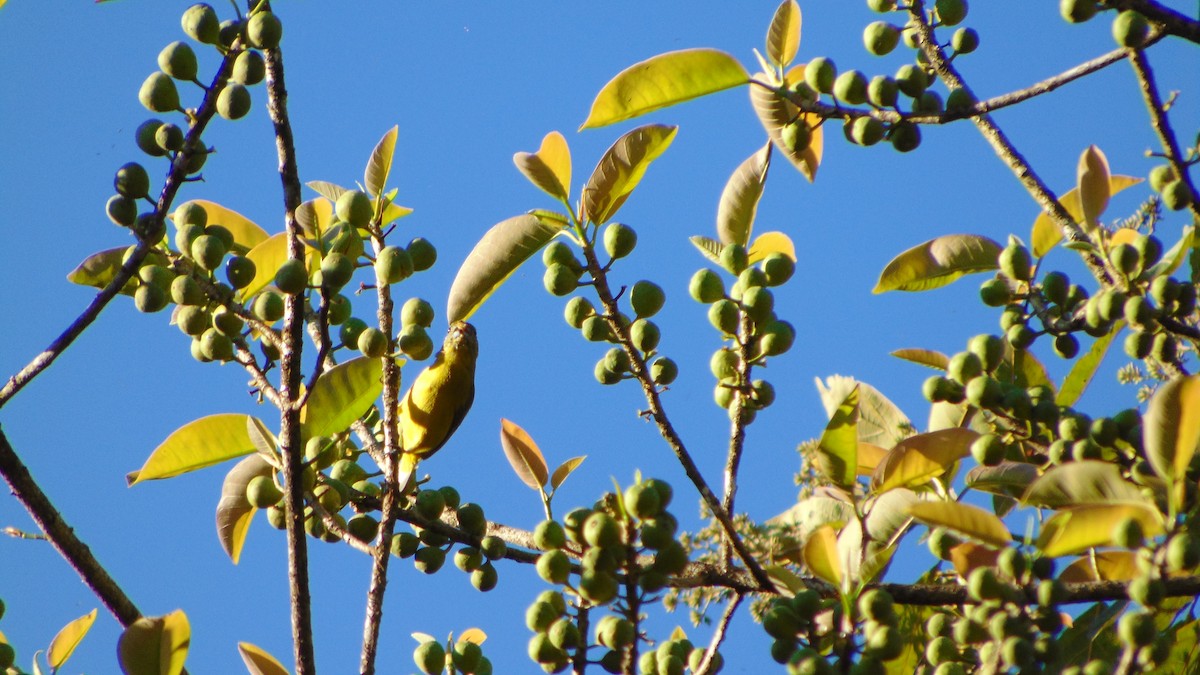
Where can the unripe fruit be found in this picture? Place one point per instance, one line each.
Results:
(1066, 346)
(596, 329)
(208, 251)
(423, 254)
(216, 346)
(234, 101)
(430, 657)
(554, 567)
(336, 270)
(485, 578)
(249, 68)
(185, 291)
(354, 207)
(200, 23)
(192, 321)
(262, 492)
(560, 280)
(158, 93)
(179, 61)
(1077, 11)
(758, 303)
(415, 343)
(734, 258)
(150, 298)
(905, 137)
(264, 30)
(964, 366)
(911, 80)
(951, 12)
(121, 210)
(349, 331)
(540, 616)
(619, 240)
(990, 350)
(881, 37)
(429, 559)
(851, 87)
(646, 298)
(132, 181)
(471, 519)
(776, 338)
(706, 286)
(145, 138)
(964, 41)
(1165, 348)
(393, 265)
(988, 450)
(959, 101)
(724, 363)
(663, 371)
(466, 656)
(190, 213)
(820, 74)
(372, 343)
(169, 138)
(548, 535)
(1177, 195)
(795, 136)
(577, 310)
(1136, 628)
(616, 360)
(1130, 29)
(240, 271)
(724, 316)
(984, 392)
(645, 335)
(559, 251)
(542, 651)
(867, 131)
(227, 322)
(597, 587)
(1015, 261)
(1160, 176)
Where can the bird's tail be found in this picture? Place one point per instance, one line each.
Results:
(407, 472)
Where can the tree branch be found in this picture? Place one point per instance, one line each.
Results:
(1160, 123)
(1172, 22)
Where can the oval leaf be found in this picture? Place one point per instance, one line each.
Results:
(621, 169)
(1085, 368)
(662, 81)
(1046, 234)
(99, 269)
(259, 662)
(473, 635)
(1171, 426)
(67, 639)
(1092, 180)
(967, 520)
(783, 36)
(880, 421)
(565, 469)
(497, 255)
(246, 234)
(821, 555)
(924, 357)
(314, 217)
(379, 166)
(1077, 529)
(234, 511)
(739, 199)
(523, 454)
(869, 457)
(837, 451)
(268, 257)
(341, 395)
(938, 262)
(709, 248)
(1171, 260)
(1083, 482)
(1010, 479)
(775, 112)
(770, 242)
(155, 645)
(197, 444)
(330, 191)
(918, 459)
(550, 167)
(1108, 566)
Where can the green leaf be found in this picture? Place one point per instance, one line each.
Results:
(197, 444)
(497, 255)
(393, 212)
(837, 452)
(341, 395)
(155, 645)
(523, 454)
(621, 169)
(264, 442)
(259, 662)
(330, 191)
(246, 234)
(786, 582)
(375, 176)
(1010, 479)
(1079, 528)
(1046, 234)
(234, 511)
(967, 520)
(924, 357)
(549, 169)
(1085, 368)
(709, 248)
(770, 242)
(565, 469)
(938, 262)
(99, 269)
(919, 459)
(663, 81)
(1078, 483)
(783, 37)
(880, 422)
(1091, 635)
(739, 199)
(1171, 427)
(67, 639)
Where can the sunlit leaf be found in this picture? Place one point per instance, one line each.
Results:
(99, 269)
(837, 452)
(422, 638)
(776, 112)
(234, 511)
(786, 582)
(1171, 426)
(268, 257)
(939, 262)
(341, 395)
(495, 257)
(968, 556)
(1046, 234)
(550, 167)
(739, 198)
(330, 191)
(565, 469)
(246, 234)
(918, 459)
(821, 555)
(258, 661)
(1109, 566)
(67, 639)
(783, 36)
(770, 242)
(1085, 368)
(473, 635)
(393, 212)
(1025, 371)
(924, 357)
(1092, 181)
(964, 519)
(886, 520)
(314, 216)
(1174, 256)
(1011, 479)
(155, 645)
(880, 421)
(621, 169)
(523, 454)
(1079, 528)
(379, 166)
(197, 444)
(664, 80)
(869, 457)
(709, 248)
(1082, 482)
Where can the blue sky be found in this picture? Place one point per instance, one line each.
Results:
(469, 84)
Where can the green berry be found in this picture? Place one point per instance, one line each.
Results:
(372, 343)
(201, 24)
(264, 30)
(1077, 11)
(951, 12)
(336, 270)
(1130, 29)
(820, 74)
(234, 101)
(905, 137)
(882, 91)
(208, 251)
(393, 265)
(577, 310)
(706, 286)
(355, 207)
(423, 254)
(619, 240)
(416, 312)
(146, 138)
(881, 37)
(132, 181)
(663, 371)
(169, 138)
(179, 61)
(249, 68)
(851, 87)
(646, 298)
(240, 271)
(414, 341)
(560, 280)
(964, 41)
(1177, 196)
(158, 93)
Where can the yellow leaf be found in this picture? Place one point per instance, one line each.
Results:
(375, 176)
(1171, 426)
(1046, 234)
(523, 454)
(1092, 181)
(1124, 235)
(155, 645)
(246, 234)
(621, 169)
(495, 257)
(258, 661)
(918, 459)
(783, 36)
(869, 457)
(770, 242)
(315, 217)
(197, 444)
(268, 256)
(663, 81)
(1110, 566)
(739, 200)
(776, 112)
(821, 555)
(473, 635)
(838, 448)
(550, 167)
(938, 262)
(67, 639)
(967, 520)
(1077, 529)
(234, 512)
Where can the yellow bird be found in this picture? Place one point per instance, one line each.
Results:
(438, 399)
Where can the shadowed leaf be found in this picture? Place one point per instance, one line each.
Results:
(565, 469)
(1077, 529)
(1109, 566)
(1092, 181)
(550, 167)
(1171, 260)
(786, 582)
(813, 512)
(1083, 482)
(341, 395)
(1010, 479)
(918, 459)
(97, 270)
(969, 521)
(379, 166)
(938, 262)
(495, 257)
(155, 645)
(523, 454)
(258, 661)
(739, 199)
(837, 452)
(783, 36)
(621, 169)
(1171, 429)
(1046, 234)
(664, 80)
(880, 421)
(770, 242)
(1085, 368)
(869, 457)
(314, 217)
(776, 112)
(197, 444)
(234, 511)
(67, 639)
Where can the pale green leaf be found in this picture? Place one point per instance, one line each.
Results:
(99, 269)
(939, 262)
(1171, 260)
(67, 639)
(786, 582)
(1085, 368)
(258, 661)
(234, 511)
(523, 454)
(664, 80)
(1046, 234)
(1171, 427)
(739, 199)
(811, 513)
(155, 645)
(246, 234)
(776, 112)
(770, 242)
(393, 212)
(330, 191)
(1077, 529)
(709, 248)
(264, 441)
(783, 36)
(341, 395)
(880, 422)
(837, 452)
(621, 169)
(918, 459)
(924, 357)
(1093, 182)
(1010, 479)
(495, 257)
(379, 166)
(969, 521)
(197, 444)
(821, 555)
(549, 168)
(565, 469)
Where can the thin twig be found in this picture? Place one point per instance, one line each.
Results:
(737, 426)
(719, 635)
(1160, 123)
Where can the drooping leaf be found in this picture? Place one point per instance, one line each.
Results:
(821, 555)
(473, 635)
(1076, 529)
(259, 662)
(341, 395)
(880, 421)
(939, 262)
(379, 166)
(99, 269)
(776, 112)
(1083, 482)
(924, 357)
(234, 511)
(739, 198)
(918, 459)
(155, 645)
(197, 444)
(67, 639)
(770, 242)
(246, 234)
(330, 191)
(1085, 368)
(709, 248)
(621, 169)
(550, 167)
(1010, 479)
(837, 452)
(523, 454)
(1046, 234)
(783, 36)
(495, 257)
(565, 469)
(969, 521)
(314, 216)
(1171, 426)
(662, 81)
(1109, 566)
(1092, 181)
